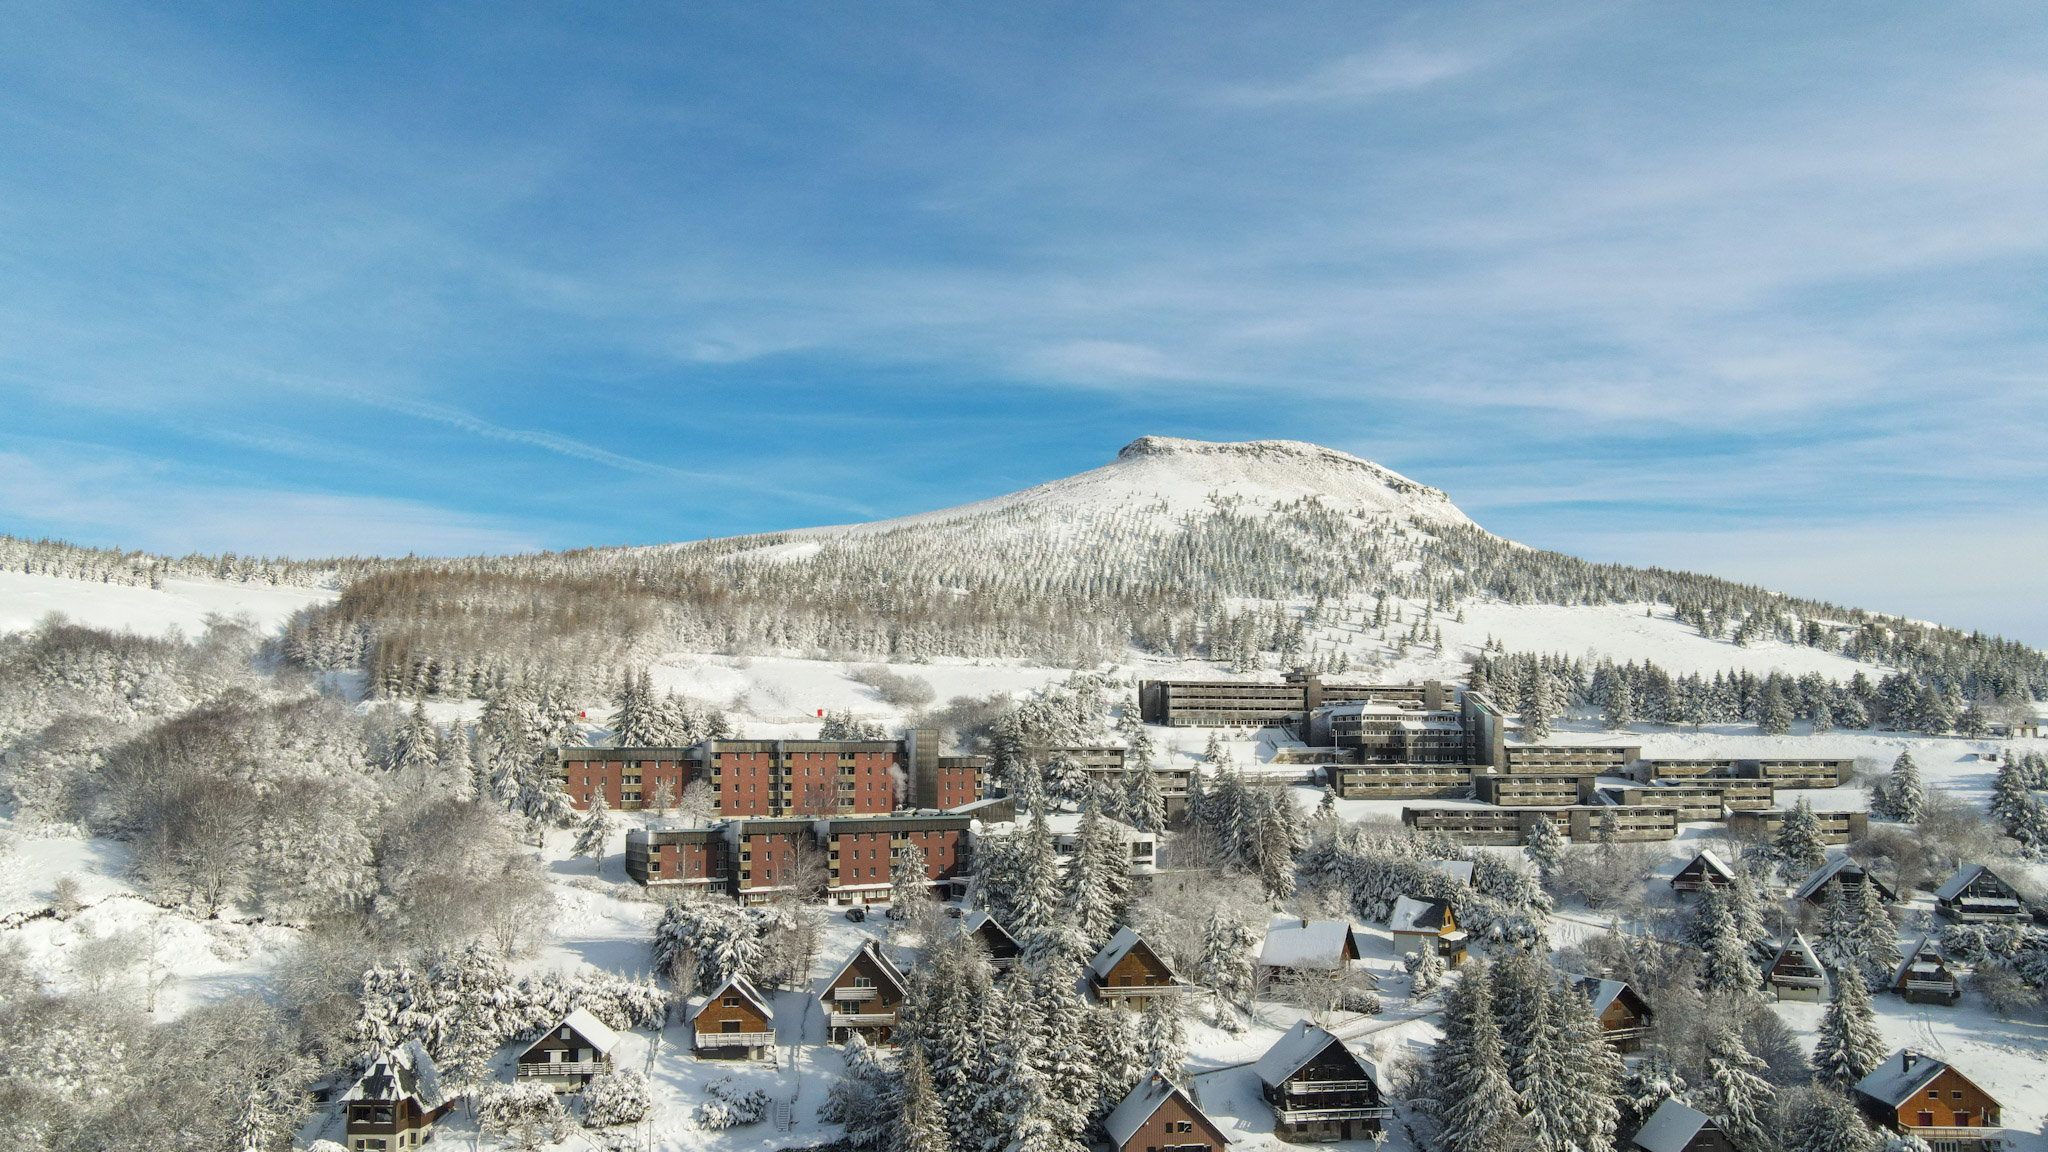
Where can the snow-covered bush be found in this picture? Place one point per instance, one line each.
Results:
(526, 1116)
(730, 1107)
(1425, 971)
(615, 1098)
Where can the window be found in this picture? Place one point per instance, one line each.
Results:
(728, 1025)
(1926, 1120)
(1956, 1094)
(731, 1001)
(1934, 1093)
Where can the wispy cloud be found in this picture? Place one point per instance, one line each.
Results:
(1377, 71)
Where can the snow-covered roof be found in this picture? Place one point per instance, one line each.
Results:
(883, 964)
(1119, 946)
(979, 919)
(1835, 866)
(1599, 992)
(1670, 1128)
(1302, 1043)
(1964, 877)
(1418, 915)
(1923, 958)
(1307, 944)
(1801, 951)
(1710, 863)
(1153, 1090)
(1903, 1074)
(744, 987)
(400, 1073)
(600, 1035)
(1459, 870)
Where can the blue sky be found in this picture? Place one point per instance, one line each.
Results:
(1740, 288)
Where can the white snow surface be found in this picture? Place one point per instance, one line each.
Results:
(182, 604)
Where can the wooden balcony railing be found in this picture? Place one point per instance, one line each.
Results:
(1138, 990)
(1299, 1087)
(853, 993)
(734, 1039)
(863, 1019)
(566, 1068)
(1309, 1115)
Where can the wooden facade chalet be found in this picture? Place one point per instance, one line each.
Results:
(1912, 1092)
(1705, 870)
(734, 1021)
(1975, 894)
(1127, 968)
(1425, 923)
(1673, 1127)
(571, 1054)
(1158, 1116)
(1319, 1089)
(1329, 946)
(1796, 973)
(1625, 1017)
(398, 1099)
(1923, 977)
(1843, 874)
(1003, 949)
(864, 996)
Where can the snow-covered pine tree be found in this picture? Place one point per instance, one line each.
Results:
(1877, 937)
(1163, 1036)
(1594, 1075)
(2010, 792)
(1620, 711)
(920, 1118)
(1035, 902)
(416, 745)
(909, 882)
(2030, 829)
(1836, 941)
(1799, 846)
(1227, 953)
(1774, 712)
(594, 831)
(1537, 1070)
(1425, 971)
(1144, 801)
(1098, 879)
(1848, 1046)
(1727, 965)
(1735, 1095)
(1538, 705)
(1545, 848)
(1469, 1094)
(615, 1099)
(1821, 1119)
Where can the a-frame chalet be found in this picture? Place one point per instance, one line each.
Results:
(734, 1022)
(1158, 1116)
(1320, 1089)
(1127, 968)
(864, 996)
(1704, 871)
(1796, 973)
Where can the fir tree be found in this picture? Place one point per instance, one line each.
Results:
(417, 745)
(1904, 797)
(1621, 706)
(909, 881)
(595, 831)
(1594, 1075)
(2031, 828)
(1425, 971)
(1144, 801)
(1099, 879)
(1470, 1095)
(920, 1123)
(2009, 795)
(1799, 846)
(1823, 1120)
(1848, 1046)
(1163, 1036)
(1227, 952)
(1538, 705)
(1036, 901)
(1735, 1096)
(1774, 712)
(1545, 848)
(1877, 938)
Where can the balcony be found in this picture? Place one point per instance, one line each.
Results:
(853, 993)
(1311, 1115)
(566, 1068)
(1938, 987)
(1931, 1134)
(1614, 1034)
(863, 1019)
(1137, 990)
(1299, 1087)
(1800, 981)
(734, 1040)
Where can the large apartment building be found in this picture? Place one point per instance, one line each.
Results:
(1475, 824)
(778, 778)
(1399, 781)
(855, 858)
(627, 778)
(1226, 704)
(1105, 765)
(1390, 733)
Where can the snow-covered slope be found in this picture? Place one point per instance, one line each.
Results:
(1176, 476)
(182, 604)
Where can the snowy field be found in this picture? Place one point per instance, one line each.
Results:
(180, 604)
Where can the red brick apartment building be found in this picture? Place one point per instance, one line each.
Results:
(778, 778)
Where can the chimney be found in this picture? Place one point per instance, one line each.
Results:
(1908, 1059)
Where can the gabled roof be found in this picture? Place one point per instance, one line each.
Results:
(744, 987)
(1963, 878)
(979, 921)
(1303, 1043)
(1601, 993)
(1925, 951)
(404, 1072)
(1708, 862)
(600, 1035)
(1901, 1077)
(1670, 1128)
(1835, 866)
(1800, 951)
(1314, 944)
(1418, 915)
(882, 963)
(1459, 870)
(1121, 945)
(1152, 1091)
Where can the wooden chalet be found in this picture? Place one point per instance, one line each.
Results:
(1158, 1116)
(1975, 893)
(1625, 1017)
(1319, 1089)
(1127, 968)
(397, 1099)
(733, 1022)
(1425, 923)
(571, 1054)
(864, 996)
(1913, 1093)
(1845, 876)
(1673, 1127)
(1796, 973)
(1705, 871)
(1003, 949)
(1923, 977)
(1327, 946)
